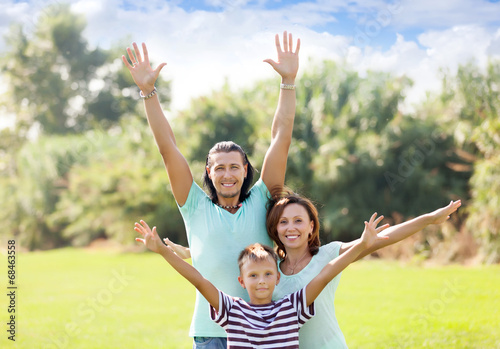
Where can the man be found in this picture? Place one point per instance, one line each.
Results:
(232, 217)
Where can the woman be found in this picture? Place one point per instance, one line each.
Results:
(293, 224)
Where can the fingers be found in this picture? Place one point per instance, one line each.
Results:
(131, 56)
(271, 62)
(137, 53)
(377, 221)
(145, 51)
(145, 225)
(277, 42)
(384, 227)
(127, 64)
(297, 48)
(159, 68)
(287, 43)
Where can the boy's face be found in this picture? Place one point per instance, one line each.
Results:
(259, 278)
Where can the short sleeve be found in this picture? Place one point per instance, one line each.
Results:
(332, 249)
(304, 312)
(220, 316)
(261, 188)
(193, 199)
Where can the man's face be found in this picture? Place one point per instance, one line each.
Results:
(227, 173)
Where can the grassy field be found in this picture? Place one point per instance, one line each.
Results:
(73, 298)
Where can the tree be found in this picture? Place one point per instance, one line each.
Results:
(57, 84)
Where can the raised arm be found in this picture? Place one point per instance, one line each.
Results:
(401, 231)
(274, 166)
(369, 238)
(176, 165)
(153, 242)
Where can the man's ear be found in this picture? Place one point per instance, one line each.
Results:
(208, 172)
(246, 169)
(242, 283)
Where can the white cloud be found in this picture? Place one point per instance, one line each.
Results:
(204, 48)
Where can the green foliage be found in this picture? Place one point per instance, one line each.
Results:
(478, 98)
(57, 84)
(134, 186)
(226, 115)
(355, 153)
(90, 167)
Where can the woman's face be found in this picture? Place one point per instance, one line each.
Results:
(294, 227)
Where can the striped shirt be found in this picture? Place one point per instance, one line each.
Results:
(267, 326)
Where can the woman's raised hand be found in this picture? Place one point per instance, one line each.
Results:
(288, 60)
(442, 214)
(142, 73)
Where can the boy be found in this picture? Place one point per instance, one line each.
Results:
(262, 321)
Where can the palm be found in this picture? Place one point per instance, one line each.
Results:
(150, 237)
(144, 76)
(288, 60)
(370, 234)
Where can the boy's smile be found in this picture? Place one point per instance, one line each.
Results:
(259, 278)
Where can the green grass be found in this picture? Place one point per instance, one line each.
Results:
(73, 298)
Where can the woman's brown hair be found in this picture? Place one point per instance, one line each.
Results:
(275, 210)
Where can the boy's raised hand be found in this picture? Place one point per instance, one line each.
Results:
(370, 234)
(150, 237)
(442, 214)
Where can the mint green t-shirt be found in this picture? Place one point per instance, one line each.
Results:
(216, 238)
(322, 331)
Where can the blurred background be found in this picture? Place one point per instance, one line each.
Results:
(388, 119)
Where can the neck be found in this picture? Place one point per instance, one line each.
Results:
(261, 301)
(295, 254)
(228, 203)
(296, 260)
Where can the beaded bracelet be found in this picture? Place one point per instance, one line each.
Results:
(149, 95)
(287, 87)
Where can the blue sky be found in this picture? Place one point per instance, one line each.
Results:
(206, 42)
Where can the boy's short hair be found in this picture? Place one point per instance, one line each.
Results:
(257, 252)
